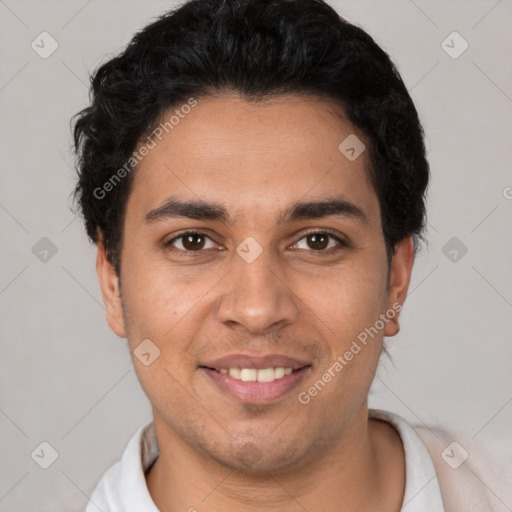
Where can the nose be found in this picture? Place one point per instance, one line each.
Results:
(256, 297)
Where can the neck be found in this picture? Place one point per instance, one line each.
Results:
(363, 470)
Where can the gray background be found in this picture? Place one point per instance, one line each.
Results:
(66, 379)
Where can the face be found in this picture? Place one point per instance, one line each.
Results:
(253, 258)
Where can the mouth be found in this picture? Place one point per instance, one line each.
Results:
(255, 380)
(255, 374)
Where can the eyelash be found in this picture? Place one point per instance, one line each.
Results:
(319, 252)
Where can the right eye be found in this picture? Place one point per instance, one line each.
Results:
(191, 241)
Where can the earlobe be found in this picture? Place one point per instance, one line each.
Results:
(400, 276)
(109, 284)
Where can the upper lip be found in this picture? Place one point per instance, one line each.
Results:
(256, 362)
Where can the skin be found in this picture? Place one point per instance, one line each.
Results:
(296, 299)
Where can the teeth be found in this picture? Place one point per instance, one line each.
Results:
(248, 374)
(235, 373)
(254, 375)
(266, 375)
(278, 373)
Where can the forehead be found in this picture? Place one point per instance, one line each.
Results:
(254, 156)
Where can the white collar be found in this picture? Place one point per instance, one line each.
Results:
(123, 487)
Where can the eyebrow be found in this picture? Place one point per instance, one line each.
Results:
(202, 210)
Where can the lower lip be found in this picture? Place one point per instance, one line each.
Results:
(257, 392)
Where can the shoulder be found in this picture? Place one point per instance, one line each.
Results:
(105, 492)
(469, 480)
(123, 487)
(470, 477)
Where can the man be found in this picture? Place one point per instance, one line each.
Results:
(254, 174)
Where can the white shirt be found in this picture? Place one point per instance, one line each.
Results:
(123, 487)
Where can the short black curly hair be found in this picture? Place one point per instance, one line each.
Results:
(258, 49)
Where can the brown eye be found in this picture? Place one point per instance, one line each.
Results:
(321, 242)
(318, 241)
(191, 242)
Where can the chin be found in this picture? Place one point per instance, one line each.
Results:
(259, 456)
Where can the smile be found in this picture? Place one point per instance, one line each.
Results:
(255, 375)
(255, 380)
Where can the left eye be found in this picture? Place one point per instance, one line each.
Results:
(320, 241)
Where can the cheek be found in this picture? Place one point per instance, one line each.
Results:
(347, 313)
(159, 307)
(157, 298)
(349, 306)
(348, 300)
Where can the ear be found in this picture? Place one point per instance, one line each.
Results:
(400, 276)
(109, 284)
